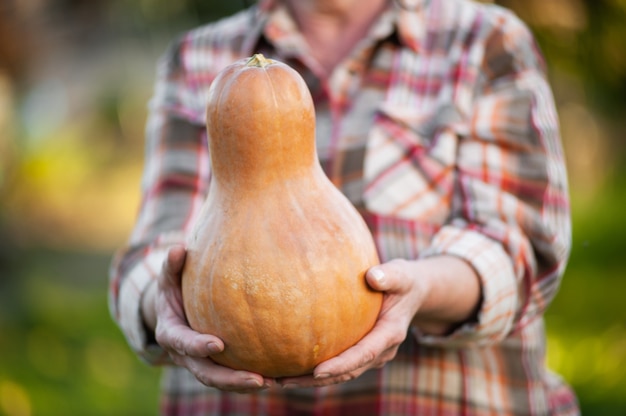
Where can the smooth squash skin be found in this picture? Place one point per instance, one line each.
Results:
(276, 260)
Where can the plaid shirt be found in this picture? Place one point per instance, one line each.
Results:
(441, 129)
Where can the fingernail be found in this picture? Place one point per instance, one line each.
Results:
(253, 382)
(378, 275)
(213, 348)
(321, 376)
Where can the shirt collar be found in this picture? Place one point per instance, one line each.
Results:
(411, 22)
(272, 22)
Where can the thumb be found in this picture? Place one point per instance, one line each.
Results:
(173, 266)
(377, 279)
(176, 259)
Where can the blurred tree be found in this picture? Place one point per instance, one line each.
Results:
(583, 39)
(14, 44)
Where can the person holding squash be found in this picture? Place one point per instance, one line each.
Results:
(435, 120)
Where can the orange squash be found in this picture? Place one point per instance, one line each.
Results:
(277, 258)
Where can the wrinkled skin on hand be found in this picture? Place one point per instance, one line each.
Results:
(400, 303)
(188, 348)
(407, 286)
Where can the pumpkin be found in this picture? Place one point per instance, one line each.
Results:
(277, 257)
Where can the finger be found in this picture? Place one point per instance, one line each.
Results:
(377, 279)
(311, 381)
(388, 277)
(185, 341)
(365, 353)
(169, 280)
(213, 375)
(173, 266)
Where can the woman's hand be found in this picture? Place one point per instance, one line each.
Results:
(402, 298)
(186, 347)
(434, 294)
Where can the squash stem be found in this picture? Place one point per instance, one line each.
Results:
(259, 60)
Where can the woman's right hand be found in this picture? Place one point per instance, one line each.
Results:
(186, 347)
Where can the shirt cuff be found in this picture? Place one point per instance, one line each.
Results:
(498, 284)
(130, 316)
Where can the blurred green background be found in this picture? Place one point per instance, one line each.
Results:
(75, 76)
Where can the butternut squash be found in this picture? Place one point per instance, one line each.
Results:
(276, 259)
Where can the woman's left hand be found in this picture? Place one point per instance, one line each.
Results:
(402, 296)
